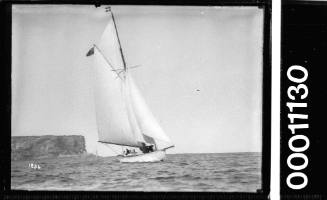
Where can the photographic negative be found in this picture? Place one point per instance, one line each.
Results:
(137, 98)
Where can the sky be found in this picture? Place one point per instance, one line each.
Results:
(200, 72)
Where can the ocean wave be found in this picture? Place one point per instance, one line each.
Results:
(188, 172)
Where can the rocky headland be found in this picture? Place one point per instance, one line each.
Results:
(47, 146)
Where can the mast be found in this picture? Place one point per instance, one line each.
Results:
(121, 50)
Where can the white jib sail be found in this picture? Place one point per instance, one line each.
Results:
(146, 121)
(130, 113)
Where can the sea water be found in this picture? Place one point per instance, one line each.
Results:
(224, 172)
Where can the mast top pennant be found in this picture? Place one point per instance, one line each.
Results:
(108, 9)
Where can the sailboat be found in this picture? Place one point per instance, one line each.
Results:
(122, 115)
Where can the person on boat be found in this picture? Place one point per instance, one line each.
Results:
(127, 152)
(150, 148)
(144, 148)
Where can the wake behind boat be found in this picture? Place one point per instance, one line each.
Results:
(122, 116)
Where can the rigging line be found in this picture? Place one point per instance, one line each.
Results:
(113, 69)
(118, 73)
(131, 67)
(122, 70)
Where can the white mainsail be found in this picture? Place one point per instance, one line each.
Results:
(112, 120)
(122, 115)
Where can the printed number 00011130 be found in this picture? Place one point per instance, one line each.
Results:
(294, 92)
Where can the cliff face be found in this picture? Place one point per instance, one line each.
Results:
(47, 146)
